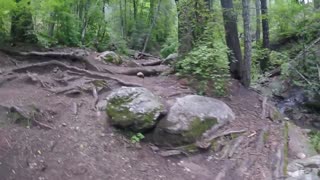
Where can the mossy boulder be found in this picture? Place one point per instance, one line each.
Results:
(134, 108)
(189, 118)
(110, 57)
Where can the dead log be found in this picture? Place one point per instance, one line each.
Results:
(75, 56)
(91, 74)
(141, 55)
(147, 71)
(152, 63)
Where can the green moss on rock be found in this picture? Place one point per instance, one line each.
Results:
(121, 115)
(198, 127)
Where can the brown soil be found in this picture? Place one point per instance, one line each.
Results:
(83, 145)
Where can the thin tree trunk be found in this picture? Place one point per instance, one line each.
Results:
(151, 27)
(121, 19)
(246, 63)
(135, 10)
(51, 25)
(233, 43)
(258, 20)
(265, 33)
(316, 4)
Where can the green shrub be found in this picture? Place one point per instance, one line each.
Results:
(207, 63)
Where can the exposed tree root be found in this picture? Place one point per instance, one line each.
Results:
(237, 143)
(147, 71)
(75, 56)
(91, 74)
(7, 78)
(261, 139)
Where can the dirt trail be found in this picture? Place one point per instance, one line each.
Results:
(81, 145)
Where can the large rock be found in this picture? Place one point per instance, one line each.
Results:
(189, 118)
(171, 58)
(304, 169)
(110, 57)
(135, 108)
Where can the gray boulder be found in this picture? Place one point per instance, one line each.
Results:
(135, 108)
(304, 168)
(171, 58)
(189, 118)
(110, 57)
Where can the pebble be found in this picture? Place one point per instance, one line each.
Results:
(64, 124)
(301, 155)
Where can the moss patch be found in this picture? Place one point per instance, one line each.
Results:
(123, 117)
(198, 127)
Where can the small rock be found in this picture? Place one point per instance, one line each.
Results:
(301, 155)
(64, 124)
(170, 153)
(154, 148)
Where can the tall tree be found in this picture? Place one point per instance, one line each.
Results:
(316, 4)
(153, 23)
(22, 24)
(233, 43)
(246, 63)
(192, 20)
(258, 20)
(265, 33)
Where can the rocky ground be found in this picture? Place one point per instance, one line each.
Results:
(66, 137)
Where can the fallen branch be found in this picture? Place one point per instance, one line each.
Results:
(140, 55)
(92, 74)
(235, 146)
(152, 63)
(209, 139)
(264, 104)
(261, 139)
(206, 142)
(42, 125)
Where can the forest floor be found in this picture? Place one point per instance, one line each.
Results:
(72, 140)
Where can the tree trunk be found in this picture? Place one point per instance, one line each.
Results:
(154, 20)
(22, 24)
(185, 35)
(231, 29)
(121, 19)
(258, 20)
(246, 63)
(316, 4)
(265, 33)
(135, 10)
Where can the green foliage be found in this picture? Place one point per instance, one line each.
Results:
(315, 140)
(208, 61)
(137, 138)
(170, 46)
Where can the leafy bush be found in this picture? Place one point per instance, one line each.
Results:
(137, 138)
(208, 63)
(315, 139)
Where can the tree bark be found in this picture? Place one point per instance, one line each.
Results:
(135, 10)
(154, 20)
(233, 43)
(22, 24)
(316, 4)
(246, 63)
(265, 32)
(258, 20)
